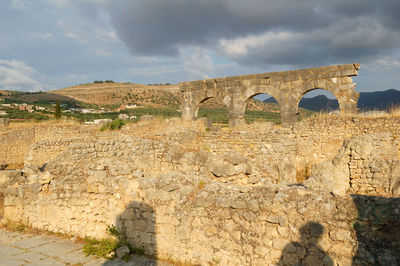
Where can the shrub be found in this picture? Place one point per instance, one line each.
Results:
(57, 112)
(117, 124)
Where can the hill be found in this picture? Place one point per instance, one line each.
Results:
(378, 100)
(37, 98)
(117, 94)
(158, 96)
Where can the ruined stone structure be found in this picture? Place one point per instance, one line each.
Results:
(286, 87)
(217, 197)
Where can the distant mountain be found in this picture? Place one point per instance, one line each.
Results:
(378, 100)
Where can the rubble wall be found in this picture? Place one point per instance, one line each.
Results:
(196, 196)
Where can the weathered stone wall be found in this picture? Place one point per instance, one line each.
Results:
(47, 141)
(14, 145)
(184, 194)
(186, 216)
(184, 219)
(374, 165)
(263, 146)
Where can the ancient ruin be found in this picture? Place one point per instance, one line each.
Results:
(286, 87)
(323, 191)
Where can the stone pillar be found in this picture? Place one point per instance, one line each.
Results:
(288, 112)
(288, 105)
(288, 118)
(348, 107)
(236, 109)
(188, 111)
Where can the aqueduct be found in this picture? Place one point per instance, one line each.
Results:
(287, 87)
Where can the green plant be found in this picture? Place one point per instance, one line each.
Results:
(116, 124)
(101, 248)
(106, 246)
(57, 112)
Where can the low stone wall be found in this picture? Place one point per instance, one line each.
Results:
(188, 219)
(193, 219)
(307, 143)
(41, 143)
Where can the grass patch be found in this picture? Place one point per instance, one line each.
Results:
(106, 247)
(217, 115)
(100, 248)
(262, 116)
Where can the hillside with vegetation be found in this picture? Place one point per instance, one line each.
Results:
(163, 100)
(98, 100)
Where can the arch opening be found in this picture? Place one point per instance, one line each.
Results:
(317, 100)
(213, 109)
(262, 107)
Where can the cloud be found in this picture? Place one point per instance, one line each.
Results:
(45, 36)
(17, 75)
(199, 64)
(307, 32)
(22, 5)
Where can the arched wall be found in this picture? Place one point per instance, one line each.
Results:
(286, 87)
(346, 96)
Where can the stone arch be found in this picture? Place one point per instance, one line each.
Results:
(346, 96)
(287, 87)
(252, 96)
(236, 102)
(218, 114)
(262, 89)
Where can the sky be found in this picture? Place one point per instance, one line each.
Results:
(52, 44)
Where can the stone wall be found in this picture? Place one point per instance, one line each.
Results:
(263, 145)
(14, 145)
(223, 197)
(47, 141)
(189, 217)
(184, 219)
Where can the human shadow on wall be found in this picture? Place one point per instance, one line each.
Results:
(378, 230)
(138, 224)
(307, 251)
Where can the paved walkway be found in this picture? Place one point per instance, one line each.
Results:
(30, 249)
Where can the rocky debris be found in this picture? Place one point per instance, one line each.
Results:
(326, 176)
(121, 252)
(284, 172)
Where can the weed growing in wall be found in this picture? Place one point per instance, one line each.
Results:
(106, 247)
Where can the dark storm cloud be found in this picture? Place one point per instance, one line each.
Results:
(258, 31)
(160, 27)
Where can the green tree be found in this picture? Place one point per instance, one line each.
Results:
(57, 112)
